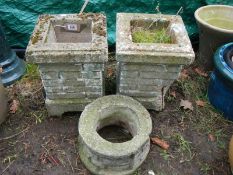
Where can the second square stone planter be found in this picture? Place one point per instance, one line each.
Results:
(71, 51)
(146, 70)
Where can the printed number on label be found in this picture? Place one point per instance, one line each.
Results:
(72, 27)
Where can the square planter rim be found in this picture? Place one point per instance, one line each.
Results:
(125, 45)
(41, 49)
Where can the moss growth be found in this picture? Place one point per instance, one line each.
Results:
(35, 38)
(151, 36)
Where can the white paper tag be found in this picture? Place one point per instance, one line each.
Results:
(72, 27)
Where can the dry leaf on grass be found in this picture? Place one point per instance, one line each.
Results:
(186, 104)
(211, 137)
(162, 143)
(14, 106)
(200, 72)
(200, 103)
(184, 74)
(173, 94)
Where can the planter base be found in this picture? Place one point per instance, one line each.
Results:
(59, 107)
(147, 83)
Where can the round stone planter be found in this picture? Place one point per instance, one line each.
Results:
(104, 157)
(3, 103)
(215, 29)
(220, 91)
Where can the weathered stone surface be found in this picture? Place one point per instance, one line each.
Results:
(145, 71)
(103, 157)
(71, 71)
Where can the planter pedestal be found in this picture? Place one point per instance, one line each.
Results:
(146, 70)
(71, 63)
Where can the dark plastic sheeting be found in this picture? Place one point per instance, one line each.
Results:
(19, 16)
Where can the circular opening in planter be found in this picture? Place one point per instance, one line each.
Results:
(117, 125)
(115, 134)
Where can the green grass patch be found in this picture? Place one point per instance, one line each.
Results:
(32, 72)
(151, 36)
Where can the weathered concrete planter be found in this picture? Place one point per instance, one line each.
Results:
(71, 64)
(145, 70)
(103, 157)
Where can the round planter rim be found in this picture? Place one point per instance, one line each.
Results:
(221, 64)
(201, 21)
(142, 136)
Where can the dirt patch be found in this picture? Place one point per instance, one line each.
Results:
(42, 145)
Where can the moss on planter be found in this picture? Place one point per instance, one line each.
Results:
(151, 36)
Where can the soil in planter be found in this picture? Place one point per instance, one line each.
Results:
(115, 134)
(64, 36)
(150, 32)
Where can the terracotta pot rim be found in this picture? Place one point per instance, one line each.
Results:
(201, 21)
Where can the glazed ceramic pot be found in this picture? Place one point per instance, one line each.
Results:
(215, 23)
(220, 91)
(13, 67)
(3, 103)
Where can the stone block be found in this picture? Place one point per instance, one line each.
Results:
(145, 71)
(104, 157)
(71, 64)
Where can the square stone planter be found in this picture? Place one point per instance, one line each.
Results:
(71, 63)
(145, 71)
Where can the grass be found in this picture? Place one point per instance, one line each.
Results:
(205, 119)
(205, 168)
(9, 158)
(219, 135)
(165, 155)
(32, 72)
(184, 146)
(151, 36)
(39, 117)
